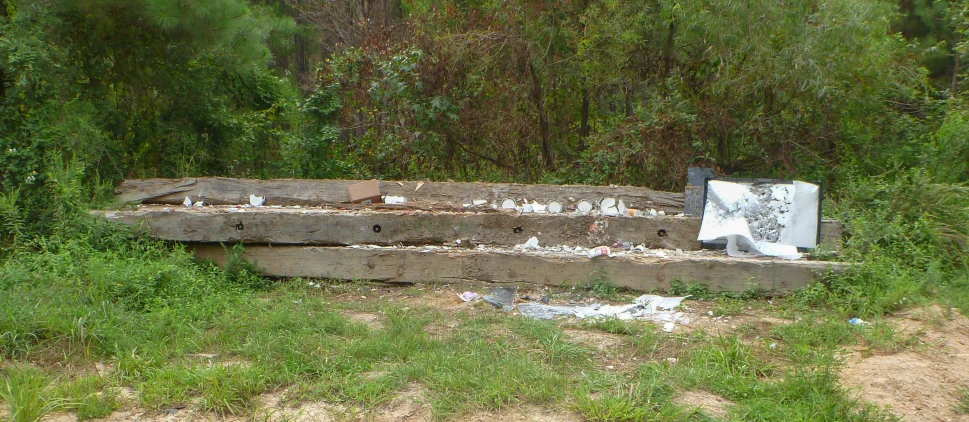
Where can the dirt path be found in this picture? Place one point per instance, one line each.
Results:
(919, 385)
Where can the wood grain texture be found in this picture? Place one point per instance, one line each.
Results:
(415, 266)
(331, 227)
(228, 191)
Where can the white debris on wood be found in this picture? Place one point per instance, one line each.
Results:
(187, 202)
(389, 199)
(256, 201)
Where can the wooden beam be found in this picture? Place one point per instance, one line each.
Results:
(227, 191)
(414, 265)
(315, 226)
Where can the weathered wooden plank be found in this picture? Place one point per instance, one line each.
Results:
(314, 226)
(412, 265)
(227, 191)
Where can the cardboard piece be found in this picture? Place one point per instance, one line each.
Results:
(364, 192)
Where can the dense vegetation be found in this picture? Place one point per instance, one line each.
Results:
(865, 95)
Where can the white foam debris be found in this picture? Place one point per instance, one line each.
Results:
(256, 201)
(390, 199)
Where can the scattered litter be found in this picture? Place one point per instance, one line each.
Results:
(599, 251)
(401, 184)
(469, 296)
(502, 297)
(479, 202)
(539, 208)
(554, 207)
(621, 207)
(187, 202)
(199, 204)
(772, 346)
(256, 201)
(858, 321)
(668, 327)
(646, 307)
(419, 184)
(671, 360)
(583, 206)
(395, 199)
(508, 204)
(366, 192)
(531, 243)
(763, 218)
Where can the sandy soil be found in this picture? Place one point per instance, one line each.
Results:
(710, 404)
(918, 385)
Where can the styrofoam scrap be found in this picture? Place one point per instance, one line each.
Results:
(527, 208)
(653, 213)
(187, 202)
(256, 201)
(477, 202)
(668, 327)
(532, 243)
(661, 212)
(199, 204)
(390, 199)
(607, 203)
(656, 302)
(538, 208)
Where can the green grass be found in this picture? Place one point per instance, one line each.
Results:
(962, 405)
(147, 312)
(27, 394)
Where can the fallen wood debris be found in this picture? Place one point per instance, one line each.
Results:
(445, 232)
(226, 191)
(331, 226)
(638, 270)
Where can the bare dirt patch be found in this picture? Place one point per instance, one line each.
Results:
(374, 321)
(598, 340)
(409, 405)
(710, 404)
(522, 414)
(609, 351)
(918, 385)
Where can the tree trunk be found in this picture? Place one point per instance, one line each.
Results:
(584, 123)
(955, 76)
(543, 128)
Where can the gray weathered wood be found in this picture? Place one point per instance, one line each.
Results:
(412, 265)
(226, 191)
(315, 226)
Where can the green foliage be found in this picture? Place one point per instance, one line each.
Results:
(963, 405)
(645, 396)
(26, 395)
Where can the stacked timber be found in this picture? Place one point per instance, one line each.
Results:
(307, 229)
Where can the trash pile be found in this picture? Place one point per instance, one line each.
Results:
(644, 308)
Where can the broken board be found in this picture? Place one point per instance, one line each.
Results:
(315, 226)
(228, 191)
(417, 265)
